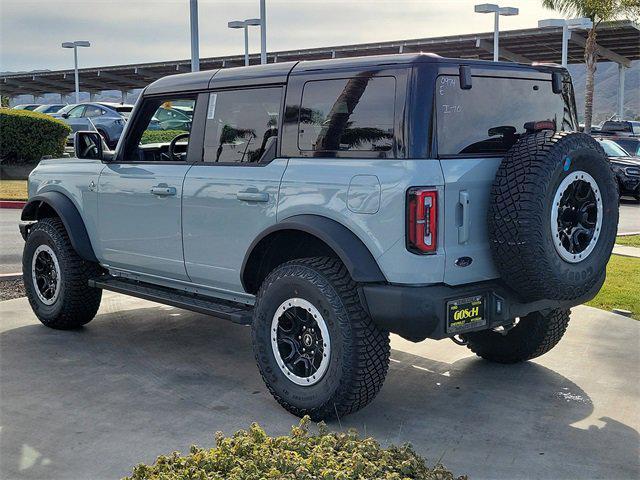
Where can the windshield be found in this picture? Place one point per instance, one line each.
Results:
(48, 108)
(612, 149)
(65, 109)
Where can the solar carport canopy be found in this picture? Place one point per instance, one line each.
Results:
(618, 42)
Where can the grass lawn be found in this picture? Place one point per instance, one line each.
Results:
(629, 240)
(622, 287)
(13, 189)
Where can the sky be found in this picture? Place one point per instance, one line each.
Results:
(132, 31)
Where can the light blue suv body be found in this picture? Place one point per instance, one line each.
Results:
(375, 184)
(197, 236)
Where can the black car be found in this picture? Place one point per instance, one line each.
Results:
(625, 167)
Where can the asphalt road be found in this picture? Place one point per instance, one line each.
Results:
(11, 243)
(143, 380)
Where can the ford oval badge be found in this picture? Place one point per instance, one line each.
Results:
(464, 261)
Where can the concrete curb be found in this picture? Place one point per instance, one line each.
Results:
(628, 234)
(10, 276)
(12, 204)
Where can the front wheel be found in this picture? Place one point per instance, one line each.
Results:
(56, 278)
(529, 337)
(318, 351)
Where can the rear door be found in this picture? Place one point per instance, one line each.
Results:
(232, 195)
(474, 129)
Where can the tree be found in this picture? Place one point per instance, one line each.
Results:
(598, 11)
(5, 101)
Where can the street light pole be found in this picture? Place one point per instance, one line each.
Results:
(567, 26)
(245, 24)
(246, 44)
(263, 32)
(75, 45)
(195, 54)
(497, 11)
(75, 72)
(496, 35)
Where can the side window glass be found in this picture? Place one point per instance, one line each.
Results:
(353, 114)
(76, 112)
(93, 111)
(155, 138)
(239, 124)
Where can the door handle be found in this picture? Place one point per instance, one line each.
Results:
(163, 190)
(252, 195)
(463, 229)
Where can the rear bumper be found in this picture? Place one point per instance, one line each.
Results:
(417, 313)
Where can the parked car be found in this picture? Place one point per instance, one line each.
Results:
(172, 117)
(630, 144)
(51, 108)
(328, 203)
(626, 168)
(107, 118)
(26, 106)
(620, 127)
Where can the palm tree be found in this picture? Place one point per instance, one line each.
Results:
(598, 11)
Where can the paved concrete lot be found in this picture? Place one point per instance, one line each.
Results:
(629, 217)
(10, 240)
(143, 380)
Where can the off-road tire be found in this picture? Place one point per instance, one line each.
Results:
(76, 303)
(359, 357)
(534, 335)
(519, 215)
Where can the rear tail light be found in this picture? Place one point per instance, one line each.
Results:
(422, 220)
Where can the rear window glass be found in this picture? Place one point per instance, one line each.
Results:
(352, 114)
(490, 117)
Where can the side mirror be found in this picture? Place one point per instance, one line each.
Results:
(89, 145)
(65, 115)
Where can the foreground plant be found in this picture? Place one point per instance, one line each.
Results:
(253, 455)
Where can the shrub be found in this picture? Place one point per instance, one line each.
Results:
(252, 455)
(160, 136)
(27, 136)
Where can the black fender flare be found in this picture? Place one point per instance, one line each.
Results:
(348, 247)
(71, 219)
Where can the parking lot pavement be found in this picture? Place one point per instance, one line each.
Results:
(629, 217)
(143, 380)
(11, 242)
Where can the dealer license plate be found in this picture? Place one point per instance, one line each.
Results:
(465, 314)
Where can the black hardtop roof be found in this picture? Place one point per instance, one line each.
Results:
(277, 73)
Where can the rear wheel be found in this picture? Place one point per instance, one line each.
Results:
(318, 351)
(527, 338)
(56, 278)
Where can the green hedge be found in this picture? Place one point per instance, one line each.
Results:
(27, 136)
(252, 455)
(160, 136)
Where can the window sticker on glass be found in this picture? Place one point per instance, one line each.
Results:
(212, 105)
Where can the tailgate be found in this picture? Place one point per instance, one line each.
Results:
(467, 189)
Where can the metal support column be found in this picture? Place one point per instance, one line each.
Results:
(195, 53)
(621, 75)
(263, 32)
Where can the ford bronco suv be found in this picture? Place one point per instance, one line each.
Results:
(328, 203)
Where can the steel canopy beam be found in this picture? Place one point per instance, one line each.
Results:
(502, 52)
(603, 52)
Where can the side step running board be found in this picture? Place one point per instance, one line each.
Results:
(236, 312)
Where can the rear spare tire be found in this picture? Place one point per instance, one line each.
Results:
(553, 215)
